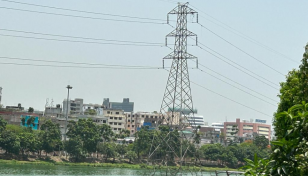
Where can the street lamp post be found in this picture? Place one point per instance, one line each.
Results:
(68, 94)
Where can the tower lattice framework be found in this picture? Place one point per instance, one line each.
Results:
(170, 144)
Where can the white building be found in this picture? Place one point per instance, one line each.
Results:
(196, 120)
(218, 125)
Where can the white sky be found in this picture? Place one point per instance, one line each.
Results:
(280, 24)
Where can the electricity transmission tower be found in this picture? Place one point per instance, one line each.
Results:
(171, 144)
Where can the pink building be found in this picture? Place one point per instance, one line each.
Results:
(246, 129)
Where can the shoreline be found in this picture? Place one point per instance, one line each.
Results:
(106, 165)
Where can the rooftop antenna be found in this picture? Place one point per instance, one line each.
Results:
(47, 102)
(51, 104)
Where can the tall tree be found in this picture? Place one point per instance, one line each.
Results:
(261, 142)
(50, 136)
(10, 142)
(87, 131)
(2, 124)
(303, 77)
(31, 110)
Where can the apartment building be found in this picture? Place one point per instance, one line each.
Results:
(116, 119)
(74, 106)
(126, 106)
(246, 129)
(138, 119)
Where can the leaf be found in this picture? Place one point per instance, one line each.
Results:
(279, 143)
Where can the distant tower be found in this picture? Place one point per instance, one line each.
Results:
(0, 94)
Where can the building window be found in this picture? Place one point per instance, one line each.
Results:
(115, 129)
(155, 117)
(151, 117)
(120, 118)
(104, 121)
(128, 120)
(133, 120)
(108, 112)
(119, 129)
(110, 117)
(117, 113)
(115, 123)
(110, 123)
(142, 116)
(133, 115)
(133, 125)
(115, 118)
(132, 131)
(119, 123)
(128, 125)
(147, 116)
(128, 115)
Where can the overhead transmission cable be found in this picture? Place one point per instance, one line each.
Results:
(230, 99)
(78, 37)
(237, 66)
(74, 64)
(76, 41)
(79, 16)
(242, 35)
(242, 70)
(83, 11)
(238, 48)
(235, 83)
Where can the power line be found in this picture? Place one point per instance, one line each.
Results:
(78, 16)
(76, 63)
(77, 37)
(75, 41)
(82, 11)
(235, 83)
(230, 99)
(63, 66)
(240, 69)
(237, 88)
(242, 35)
(270, 67)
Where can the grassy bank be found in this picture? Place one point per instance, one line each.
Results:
(107, 165)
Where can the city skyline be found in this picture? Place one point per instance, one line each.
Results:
(31, 85)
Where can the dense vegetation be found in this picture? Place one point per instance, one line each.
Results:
(89, 140)
(290, 149)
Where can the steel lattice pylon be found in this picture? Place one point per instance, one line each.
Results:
(170, 144)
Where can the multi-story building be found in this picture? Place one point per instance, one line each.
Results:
(218, 125)
(196, 120)
(211, 135)
(74, 106)
(184, 111)
(116, 119)
(93, 109)
(126, 106)
(53, 111)
(135, 121)
(246, 129)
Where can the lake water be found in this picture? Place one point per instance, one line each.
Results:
(39, 170)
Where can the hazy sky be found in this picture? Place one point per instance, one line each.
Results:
(279, 24)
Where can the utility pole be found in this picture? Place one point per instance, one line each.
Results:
(68, 94)
(177, 103)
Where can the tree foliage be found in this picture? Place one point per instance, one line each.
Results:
(261, 142)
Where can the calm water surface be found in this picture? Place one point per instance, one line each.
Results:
(39, 170)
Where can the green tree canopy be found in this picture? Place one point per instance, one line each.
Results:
(261, 142)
